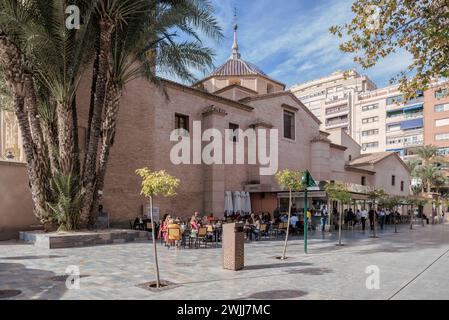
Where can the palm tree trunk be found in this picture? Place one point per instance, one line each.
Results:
(66, 138)
(153, 232)
(13, 64)
(284, 251)
(112, 104)
(89, 171)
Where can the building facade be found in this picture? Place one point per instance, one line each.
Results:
(237, 95)
(436, 117)
(333, 98)
(386, 122)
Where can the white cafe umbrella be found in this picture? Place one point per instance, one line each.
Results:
(247, 202)
(236, 200)
(229, 208)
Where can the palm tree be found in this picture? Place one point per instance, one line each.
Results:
(144, 44)
(43, 61)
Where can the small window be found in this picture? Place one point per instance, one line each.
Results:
(363, 181)
(235, 136)
(402, 185)
(350, 158)
(289, 125)
(181, 122)
(393, 180)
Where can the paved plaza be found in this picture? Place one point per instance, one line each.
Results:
(413, 264)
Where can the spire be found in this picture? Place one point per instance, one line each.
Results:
(235, 46)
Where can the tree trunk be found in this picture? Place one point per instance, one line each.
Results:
(66, 138)
(340, 223)
(153, 232)
(284, 251)
(112, 105)
(24, 102)
(89, 171)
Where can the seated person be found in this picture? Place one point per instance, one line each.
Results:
(173, 236)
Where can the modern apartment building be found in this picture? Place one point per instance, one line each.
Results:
(385, 121)
(378, 119)
(332, 99)
(436, 117)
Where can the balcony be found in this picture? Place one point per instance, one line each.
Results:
(335, 100)
(336, 122)
(333, 111)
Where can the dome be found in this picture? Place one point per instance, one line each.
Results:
(237, 67)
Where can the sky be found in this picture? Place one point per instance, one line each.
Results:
(290, 39)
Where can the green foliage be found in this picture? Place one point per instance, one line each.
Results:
(157, 183)
(390, 202)
(427, 168)
(6, 99)
(380, 28)
(417, 201)
(338, 191)
(376, 194)
(64, 210)
(290, 179)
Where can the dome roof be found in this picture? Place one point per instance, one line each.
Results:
(237, 67)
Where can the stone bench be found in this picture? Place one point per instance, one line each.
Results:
(58, 240)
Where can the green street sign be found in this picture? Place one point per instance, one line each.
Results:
(308, 180)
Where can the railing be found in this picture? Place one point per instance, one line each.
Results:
(334, 123)
(337, 110)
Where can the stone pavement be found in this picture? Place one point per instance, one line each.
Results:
(413, 264)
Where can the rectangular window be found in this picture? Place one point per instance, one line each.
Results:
(370, 120)
(363, 181)
(372, 132)
(235, 136)
(442, 107)
(393, 180)
(443, 151)
(442, 122)
(441, 93)
(442, 136)
(393, 127)
(402, 185)
(181, 123)
(289, 125)
(370, 107)
(370, 145)
(395, 100)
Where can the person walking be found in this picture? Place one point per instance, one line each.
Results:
(324, 216)
(371, 214)
(363, 217)
(382, 218)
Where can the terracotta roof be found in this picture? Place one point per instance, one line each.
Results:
(355, 169)
(281, 93)
(372, 158)
(237, 67)
(211, 96)
(235, 85)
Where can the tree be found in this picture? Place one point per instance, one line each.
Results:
(42, 63)
(292, 181)
(380, 28)
(153, 184)
(339, 192)
(419, 203)
(391, 203)
(374, 196)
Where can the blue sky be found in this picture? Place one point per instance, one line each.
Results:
(290, 39)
